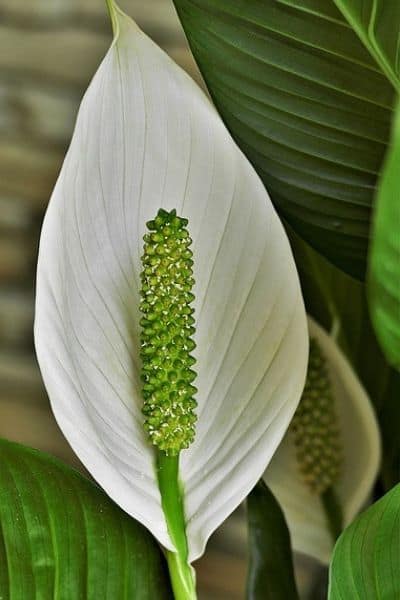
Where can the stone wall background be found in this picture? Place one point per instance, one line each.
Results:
(49, 50)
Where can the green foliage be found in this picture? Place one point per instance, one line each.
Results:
(365, 561)
(309, 106)
(62, 537)
(270, 575)
(377, 23)
(389, 419)
(384, 274)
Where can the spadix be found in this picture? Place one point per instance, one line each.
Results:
(167, 333)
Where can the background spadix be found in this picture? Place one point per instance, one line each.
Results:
(361, 451)
(146, 137)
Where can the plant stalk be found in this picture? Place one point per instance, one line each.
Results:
(113, 17)
(181, 572)
(333, 512)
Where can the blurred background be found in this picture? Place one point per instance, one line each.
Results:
(49, 50)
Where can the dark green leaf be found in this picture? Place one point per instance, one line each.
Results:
(377, 23)
(389, 419)
(365, 561)
(384, 272)
(308, 105)
(270, 573)
(62, 537)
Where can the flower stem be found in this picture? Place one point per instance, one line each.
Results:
(333, 512)
(181, 572)
(112, 12)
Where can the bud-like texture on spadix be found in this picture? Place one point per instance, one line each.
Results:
(167, 330)
(315, 427)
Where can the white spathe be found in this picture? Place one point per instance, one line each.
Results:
(147, 137)
(361, 450)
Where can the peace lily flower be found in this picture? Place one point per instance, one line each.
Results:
(353, 471)
(146, 139)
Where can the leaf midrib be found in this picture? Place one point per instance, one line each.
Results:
(240, 21)
(293, 72)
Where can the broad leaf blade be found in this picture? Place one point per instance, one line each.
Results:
(384, 275)
(61, 536)
(271, 575)
(377, 22)
(365, 562)
(308, 105)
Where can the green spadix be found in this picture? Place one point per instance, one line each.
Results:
(315, 427)
(167, 330)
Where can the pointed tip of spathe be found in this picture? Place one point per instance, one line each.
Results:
(113, 14)
(118, 18)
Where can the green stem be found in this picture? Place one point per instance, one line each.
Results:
(112, 11)
(181, 573)
(333, 512)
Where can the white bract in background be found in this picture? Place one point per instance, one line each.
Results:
(361, 457)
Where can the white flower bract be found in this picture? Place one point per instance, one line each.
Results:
(146, 138)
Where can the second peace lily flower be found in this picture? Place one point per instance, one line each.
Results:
(147, 138)
(348, 461)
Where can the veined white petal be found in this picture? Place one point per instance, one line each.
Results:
(147, 137)
(361, 449)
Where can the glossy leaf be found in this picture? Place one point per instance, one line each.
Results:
(62, 537)
(308, 105)
(377, 23)
(365, 561)
(147, 137)
(270, 575)
(384, 274)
